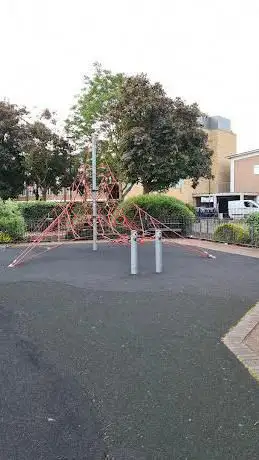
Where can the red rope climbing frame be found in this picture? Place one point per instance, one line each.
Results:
(67, 223)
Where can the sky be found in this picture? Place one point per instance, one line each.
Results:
(201, 50)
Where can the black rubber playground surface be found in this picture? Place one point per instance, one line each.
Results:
(97, 365)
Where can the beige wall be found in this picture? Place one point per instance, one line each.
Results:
(136, 190)
(223, 143)
(244, 178)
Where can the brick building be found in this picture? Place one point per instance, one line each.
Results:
(244, 172)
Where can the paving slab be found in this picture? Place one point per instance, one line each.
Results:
(252, 339)
(243, 340)
(222, 247)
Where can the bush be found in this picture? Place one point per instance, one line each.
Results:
(253, 224)
(5, 238)
(191, 207)
(36, 210)
(167, 209)
(253, 219)
(162, 207)
(9, 209)
(232, 233)
(11, 220)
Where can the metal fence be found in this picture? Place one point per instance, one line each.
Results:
(205, 228)
(241, 232)
(34, 228)
(231, 231)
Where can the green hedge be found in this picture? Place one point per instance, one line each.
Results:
(232, 233)
(166, 209)
(36, 210)
(162, 207)
(11, 221)
(191, 207)
(253, 224)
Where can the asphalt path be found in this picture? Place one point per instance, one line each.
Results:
(96, 364)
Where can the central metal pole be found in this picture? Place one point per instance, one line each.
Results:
(94, 193)
(134, 253)
(158, 251)
(59, 230)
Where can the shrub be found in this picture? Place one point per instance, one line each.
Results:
(11, 220)
(166, 209)
(5, 238)
(162, 207)
(36, 210)
(14, 226)
(9, 209)
(253, 224)
(232, 233)
(191, 207)
(253, 219)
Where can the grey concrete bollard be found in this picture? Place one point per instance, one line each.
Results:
(158, 251)
(134, 253)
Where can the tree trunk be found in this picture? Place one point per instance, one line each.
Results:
(146, 189)
(36, 192)
(125, 191)
(44, 194)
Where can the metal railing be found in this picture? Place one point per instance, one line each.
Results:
(243, 231)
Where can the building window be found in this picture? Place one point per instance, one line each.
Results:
(256, 169)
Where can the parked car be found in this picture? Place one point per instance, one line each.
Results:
(203, 212)
(239, 209)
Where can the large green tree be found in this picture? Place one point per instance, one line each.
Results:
(49, 160)
(160, 140)
(91, 113)
(12, 139)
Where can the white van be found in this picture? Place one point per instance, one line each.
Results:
(241, 208)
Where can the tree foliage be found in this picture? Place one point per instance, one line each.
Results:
(48, 158)
(160, 140)
(12, 139)
(32, 153)
(91, 111)
(12, 223)
(92, 114)
(144, 136)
